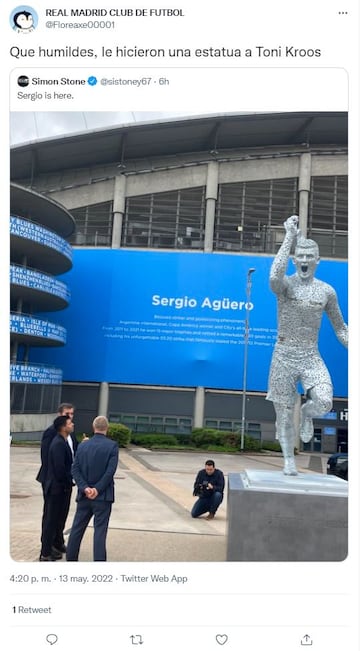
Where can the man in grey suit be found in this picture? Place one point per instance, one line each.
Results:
(93, 470)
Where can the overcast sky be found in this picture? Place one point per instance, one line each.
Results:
(33, 126)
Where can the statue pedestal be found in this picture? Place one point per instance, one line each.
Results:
(274, 517)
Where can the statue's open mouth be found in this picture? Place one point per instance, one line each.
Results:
(304, 268)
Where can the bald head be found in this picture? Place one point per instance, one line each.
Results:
(100, 424)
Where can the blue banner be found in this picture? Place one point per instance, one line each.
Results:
(21, 324)
(30, 231)
(178, 319)
(37, 280)
(24, 373)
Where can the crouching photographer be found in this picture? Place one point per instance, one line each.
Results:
(209, 488)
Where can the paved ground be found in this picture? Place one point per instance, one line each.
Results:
(150, 519)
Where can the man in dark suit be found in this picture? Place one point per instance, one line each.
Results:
(57, 490)
(64, 409)
(93, 470)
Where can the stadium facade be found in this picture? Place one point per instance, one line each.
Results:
(165, 219)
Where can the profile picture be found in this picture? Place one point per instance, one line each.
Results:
(23, 81)
(23, 19)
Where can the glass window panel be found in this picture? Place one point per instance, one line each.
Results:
(32, 398)
(166, 220)
(115, 418)
(247, 212)
(17, 398)
(328, 214)
(51, 398)
(211, 423)
(142, 428)
(127, 420)
(171, 429)
(226, 425)
(93, 225)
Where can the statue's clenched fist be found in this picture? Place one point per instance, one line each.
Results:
(291, 225)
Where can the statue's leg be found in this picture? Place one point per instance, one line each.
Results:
(285, 431)
(318, 403)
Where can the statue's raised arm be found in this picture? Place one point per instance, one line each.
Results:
(278, 267)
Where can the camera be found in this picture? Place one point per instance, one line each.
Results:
(203, 488)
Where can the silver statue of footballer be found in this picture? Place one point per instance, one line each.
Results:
(302, 300)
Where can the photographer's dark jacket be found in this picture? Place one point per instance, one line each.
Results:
(202, 478)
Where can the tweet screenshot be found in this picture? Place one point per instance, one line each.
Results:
(182, 463)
